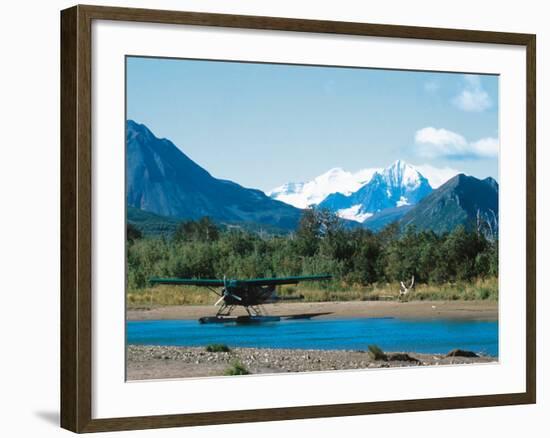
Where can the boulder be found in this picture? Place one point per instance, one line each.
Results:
(461, 353)
(402, 357)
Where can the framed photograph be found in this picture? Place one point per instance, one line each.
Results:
(270, 218)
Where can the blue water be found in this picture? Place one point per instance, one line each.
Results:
(390, 334)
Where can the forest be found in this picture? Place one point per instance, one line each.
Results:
(462, 264)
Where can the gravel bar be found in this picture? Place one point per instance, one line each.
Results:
(162, 362)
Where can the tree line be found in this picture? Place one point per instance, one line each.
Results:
(322, 244)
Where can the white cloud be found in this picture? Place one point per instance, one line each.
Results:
(486, 147)
(433, 143)
(440, 137)
(473, 97)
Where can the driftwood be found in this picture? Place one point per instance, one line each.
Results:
(487, 224)
(404, 289)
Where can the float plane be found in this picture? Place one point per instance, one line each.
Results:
(251, 294)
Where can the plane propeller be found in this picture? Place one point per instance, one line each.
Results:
(226, 293)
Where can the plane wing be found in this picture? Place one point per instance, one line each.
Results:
(188, 281)
(285, 280)
(255, 281)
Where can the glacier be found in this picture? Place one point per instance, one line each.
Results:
(358, 195)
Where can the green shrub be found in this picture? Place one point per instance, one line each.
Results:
(377, 353)
(218, 348)
(364, 265)
(236, 369)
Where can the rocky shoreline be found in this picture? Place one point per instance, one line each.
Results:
(162, 362)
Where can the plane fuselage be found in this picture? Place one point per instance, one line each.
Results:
(248, 295)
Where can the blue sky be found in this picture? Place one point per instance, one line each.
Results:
(262, 125)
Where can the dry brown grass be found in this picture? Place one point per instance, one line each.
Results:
(166, 295)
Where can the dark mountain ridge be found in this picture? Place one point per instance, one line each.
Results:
(161, 179)
(463, 200)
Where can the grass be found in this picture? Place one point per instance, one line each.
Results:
(236, 369)
(218, 348)
(168, 295)
(480, 289)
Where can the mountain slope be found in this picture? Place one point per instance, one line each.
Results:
(457, 202)
(151, 223)
(385, 217)
(398, 185)
(161, 179)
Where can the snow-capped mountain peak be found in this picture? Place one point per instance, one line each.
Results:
(359, 195)
(398, 185)
(335, 180)
(400, 173)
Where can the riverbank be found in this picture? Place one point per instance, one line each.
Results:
(159, 362)
(463, 310)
